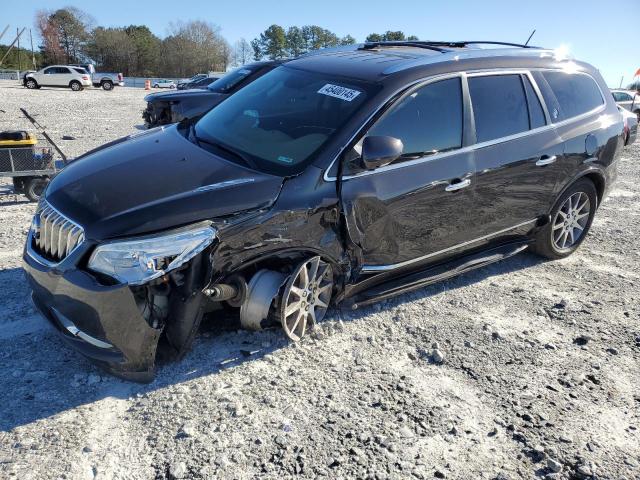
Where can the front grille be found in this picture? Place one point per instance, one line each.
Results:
(54, 235)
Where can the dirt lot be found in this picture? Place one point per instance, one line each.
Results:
(540, 370)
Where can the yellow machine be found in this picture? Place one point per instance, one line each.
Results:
(17, 139)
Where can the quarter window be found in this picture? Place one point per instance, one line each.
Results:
(576, 93)
(428, 120)
(499, 106)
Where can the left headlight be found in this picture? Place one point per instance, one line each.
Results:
(138, 261)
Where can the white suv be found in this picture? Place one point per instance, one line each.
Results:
(59, 76)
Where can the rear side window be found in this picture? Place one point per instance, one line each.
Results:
(499, 106)
(576, 93)
(536, 114)
(429, 120)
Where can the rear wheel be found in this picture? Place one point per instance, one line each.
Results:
(30, 83)
(107, 85)
(571, 220)
(34, 188)
(75, 86)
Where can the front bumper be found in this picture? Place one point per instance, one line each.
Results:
(101, 322)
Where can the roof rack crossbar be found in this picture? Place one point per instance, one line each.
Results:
(408, 43)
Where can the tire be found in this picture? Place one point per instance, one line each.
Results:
(571, 219)
(30, 83)
(156, 86)
(35, 187)
(637, 112)
(107, 85)
(18, 184)
(75, 85)
(172, 87)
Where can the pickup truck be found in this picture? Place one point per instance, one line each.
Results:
(99, 79)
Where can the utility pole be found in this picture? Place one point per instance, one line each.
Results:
(19, 53)
(33, 55)
(621, 79)
(11, 46)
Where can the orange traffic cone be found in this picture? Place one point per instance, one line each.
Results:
(147, 84)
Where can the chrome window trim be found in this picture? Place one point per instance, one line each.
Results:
(386, 268)
(464, 75)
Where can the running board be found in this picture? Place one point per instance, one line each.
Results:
(434, 274)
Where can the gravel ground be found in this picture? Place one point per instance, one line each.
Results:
(522, 369)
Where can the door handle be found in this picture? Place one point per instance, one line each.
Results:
(452, 187)
(546, 161)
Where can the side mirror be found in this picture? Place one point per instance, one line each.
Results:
(378, 151)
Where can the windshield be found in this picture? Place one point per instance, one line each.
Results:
(278, 122)
(231, 79)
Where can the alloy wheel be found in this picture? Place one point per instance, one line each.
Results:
(306, 297)
(571, 220)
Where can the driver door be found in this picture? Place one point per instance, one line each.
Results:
(421, 206)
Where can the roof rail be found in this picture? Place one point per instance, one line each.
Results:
(464, 43)
(438, 46)
(402, 43)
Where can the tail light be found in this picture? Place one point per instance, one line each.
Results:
(84, 77)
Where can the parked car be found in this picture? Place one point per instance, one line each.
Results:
(630, 126)
(58, 76)
(332, 179)
(198, 76)
(171, 107)
(628, 99)
(198, 84)
(162, 83)
(100, 79)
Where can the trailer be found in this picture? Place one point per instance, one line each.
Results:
(30, 160)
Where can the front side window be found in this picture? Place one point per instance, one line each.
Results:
(428, 120)
(278, 122)
(576, 93)
(50, 71)
(621, 97)
(499, 106)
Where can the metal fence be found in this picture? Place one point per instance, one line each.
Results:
(9, 74)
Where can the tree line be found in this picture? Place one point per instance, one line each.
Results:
(70, 35)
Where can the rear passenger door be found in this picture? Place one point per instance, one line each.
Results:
(517, 152)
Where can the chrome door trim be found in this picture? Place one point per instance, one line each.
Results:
(471, 73)
(546, 161)
(386, 268)
(453, 187)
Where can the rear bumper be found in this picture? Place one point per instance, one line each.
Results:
(101, 322)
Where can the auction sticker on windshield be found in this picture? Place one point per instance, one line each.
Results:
(337, 91)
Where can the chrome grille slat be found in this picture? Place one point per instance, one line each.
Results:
(54, 236)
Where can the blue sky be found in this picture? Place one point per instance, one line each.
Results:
(593, 30)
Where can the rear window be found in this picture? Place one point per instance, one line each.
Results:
(576, 93)
(499, 106)
(536, 114)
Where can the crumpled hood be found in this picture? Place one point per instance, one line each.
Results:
(154, 181)
(179, 95)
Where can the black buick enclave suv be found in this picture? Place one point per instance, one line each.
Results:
(341, 178)
(171, 107)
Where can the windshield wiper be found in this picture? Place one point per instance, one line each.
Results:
(220, 146)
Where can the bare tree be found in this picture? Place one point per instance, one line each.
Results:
(242, 53)
(193, 47)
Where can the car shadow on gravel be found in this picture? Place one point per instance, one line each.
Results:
(42, 377)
